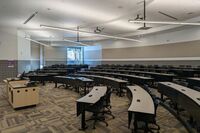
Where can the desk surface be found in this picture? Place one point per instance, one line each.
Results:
(12, 79)
(65, 77)
(197, 79)
(135, 76)
(74, 78)
(192, 94)
(18, 84)
(94, 95)
(36, 75)
(119, 74)
(109, 78)
(142, 72)
(142, 102)
(84, 79)
(155, 73)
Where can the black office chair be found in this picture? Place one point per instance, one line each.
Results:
(81, 88)
(97, 110)
(182, 82)
(107, 103)
(146, 87)
(151, 119)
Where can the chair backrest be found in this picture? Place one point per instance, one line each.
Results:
(155, 100)
(146, 87)
(108, 95)
(97, 107)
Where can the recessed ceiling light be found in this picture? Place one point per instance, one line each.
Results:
(27, 38)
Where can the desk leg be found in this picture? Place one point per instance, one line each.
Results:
(56, 85)
(83, 124)
(135, 126)
(161, 96)
(77, 89)
(129, 118)
(120, 90)
(191, 121)
(85, 89)
(176, 108)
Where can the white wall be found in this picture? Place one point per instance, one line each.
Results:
(55, 55)
(92, 55)
(35, 51)
(8, 43)
(35, 56)
(24, 47)
(24, 52)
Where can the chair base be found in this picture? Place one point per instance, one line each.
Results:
(147, 129)
(97, 118)
(108, 112)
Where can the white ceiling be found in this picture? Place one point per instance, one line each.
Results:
(113, 15)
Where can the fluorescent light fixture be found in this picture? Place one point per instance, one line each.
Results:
(33, 15)
(102, 35)
(27, 38)
(163, 22)
(75, 42)
(40, 33)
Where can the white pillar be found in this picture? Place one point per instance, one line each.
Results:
(24, 52)
(42, 63)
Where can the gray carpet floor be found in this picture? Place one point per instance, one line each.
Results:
(56, 113)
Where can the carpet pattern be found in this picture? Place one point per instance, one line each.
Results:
(56, 113)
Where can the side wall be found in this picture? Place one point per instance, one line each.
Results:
(187, 53)
(35, 56)
(8, 53)
(55, 55)
(92, 55)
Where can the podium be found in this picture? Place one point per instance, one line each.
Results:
(21, 95)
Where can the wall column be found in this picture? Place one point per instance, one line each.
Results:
(24, 52)
(41, 56)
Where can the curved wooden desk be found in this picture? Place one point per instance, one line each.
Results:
(193, 82)
(91, 98)
(108, 81)
(142, 104)
(139, 80)
(155, 75)
(188, 98)
(75, 82)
